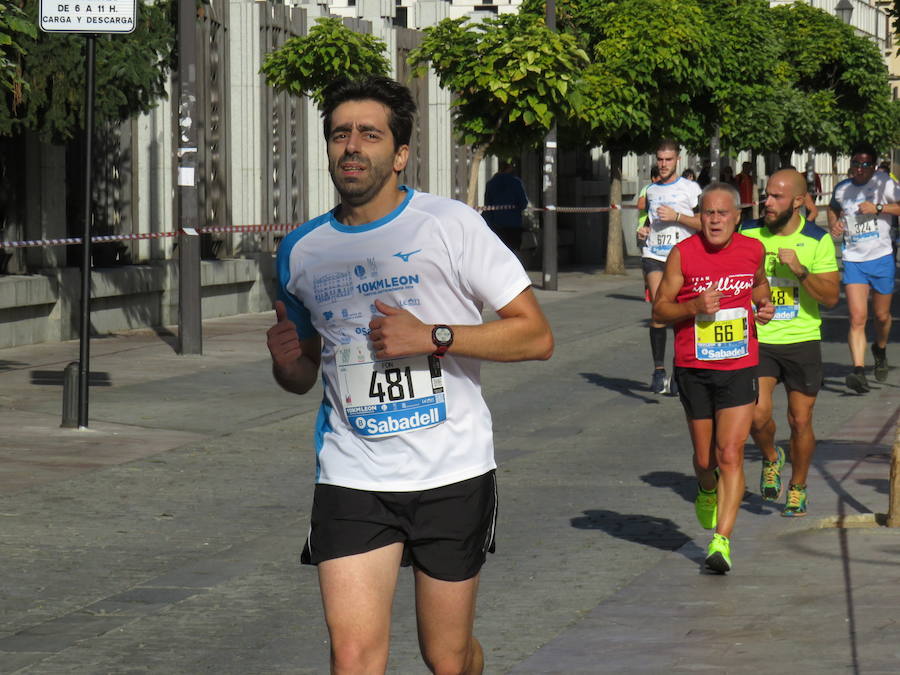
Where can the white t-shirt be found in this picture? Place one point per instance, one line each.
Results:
(866, 237)
(399, 425)
(681, 195)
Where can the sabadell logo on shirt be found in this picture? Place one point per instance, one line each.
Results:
(390, 424)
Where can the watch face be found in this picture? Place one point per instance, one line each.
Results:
(443, 334)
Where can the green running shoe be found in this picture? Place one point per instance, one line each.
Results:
(770, 479)
(706, 506)
(718, 554)
(796, 503)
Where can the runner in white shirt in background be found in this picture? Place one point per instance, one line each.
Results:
(860, 211)
(670, 203)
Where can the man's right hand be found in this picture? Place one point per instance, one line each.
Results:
(837, 229)
(708, 301)
(282, 339)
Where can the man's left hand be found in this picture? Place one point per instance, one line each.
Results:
(866, 208)
(788, 256)
(398, 333)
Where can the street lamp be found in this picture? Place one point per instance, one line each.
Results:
(844, 11)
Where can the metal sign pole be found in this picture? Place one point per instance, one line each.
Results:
(551, 254)
(111, 16)
(190, 314)
(85, 336)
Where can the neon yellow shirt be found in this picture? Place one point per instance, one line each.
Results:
(797, 316)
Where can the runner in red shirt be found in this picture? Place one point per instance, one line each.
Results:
(708, 290)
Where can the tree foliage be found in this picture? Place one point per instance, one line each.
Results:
(512, 78)
(15, 28)
(305, 65)
(747, 84)
(131, 74)
(838, 91)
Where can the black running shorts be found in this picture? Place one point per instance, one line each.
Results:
(703, 391)
(652, 265)
(447, 531)
(798, 365)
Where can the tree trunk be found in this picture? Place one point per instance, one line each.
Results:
(615, 251)
(472, 190)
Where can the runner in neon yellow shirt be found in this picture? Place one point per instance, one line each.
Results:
(803, 274)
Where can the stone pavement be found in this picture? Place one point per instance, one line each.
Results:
(164, 538)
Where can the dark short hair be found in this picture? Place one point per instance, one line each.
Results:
(397, 98)
(668, 144)
(863, 148)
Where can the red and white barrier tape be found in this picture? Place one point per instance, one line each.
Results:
(68, 241)
(287, 226)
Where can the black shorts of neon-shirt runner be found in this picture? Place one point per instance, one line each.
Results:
(447, 532)
(703, 391)
(798, 365)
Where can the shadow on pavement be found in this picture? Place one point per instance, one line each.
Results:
(623, 296)
(683, 485)
(660, 533)
(57, 378)
(621, 385)
(11, 365)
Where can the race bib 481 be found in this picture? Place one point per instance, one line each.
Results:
(384, 398)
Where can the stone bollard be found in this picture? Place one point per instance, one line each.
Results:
(70, 396)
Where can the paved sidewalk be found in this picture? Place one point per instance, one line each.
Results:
(164, 538)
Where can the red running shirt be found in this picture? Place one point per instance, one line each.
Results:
(726, 340)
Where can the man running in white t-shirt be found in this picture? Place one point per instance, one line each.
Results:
(860, 211)
(384, 295)
(670, 203)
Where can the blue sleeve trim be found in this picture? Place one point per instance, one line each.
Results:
(296, 310)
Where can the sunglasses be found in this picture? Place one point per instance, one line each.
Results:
(861, 165)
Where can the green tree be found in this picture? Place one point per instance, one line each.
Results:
(305, 65)
(15, 28)
(837, 91)
(748, 86)
(511, 78)
(131, 75)
(647, 81)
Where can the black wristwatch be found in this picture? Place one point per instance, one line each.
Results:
(803, 274)
(442, 337)
(879, 208)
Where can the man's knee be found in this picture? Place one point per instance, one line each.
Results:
(883, 317)
(858, 320)
(356, 654)
(800, 419)
(445, 660)
(731, 457)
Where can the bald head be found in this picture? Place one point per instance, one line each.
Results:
(791, 180)
(785, 194)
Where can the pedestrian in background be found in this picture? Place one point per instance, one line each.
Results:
(506, 198)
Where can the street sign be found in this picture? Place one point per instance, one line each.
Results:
(87, 16)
